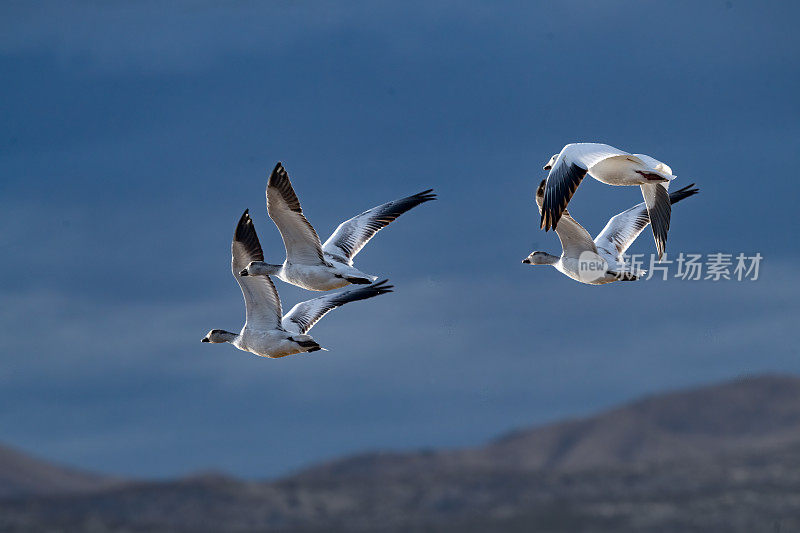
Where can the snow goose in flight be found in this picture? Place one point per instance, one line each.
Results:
(614, 167)
(322, 267)
(598, 261)
(266, 331)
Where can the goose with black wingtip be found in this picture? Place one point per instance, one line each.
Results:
(310, 264)
(267, 332)
(614, 167)
(600, 260)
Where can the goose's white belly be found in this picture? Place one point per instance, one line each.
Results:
(619, 170)
(312, 278)
(321, 277)
(272, 343)
(570, 266)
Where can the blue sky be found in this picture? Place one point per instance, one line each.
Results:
(135, 135)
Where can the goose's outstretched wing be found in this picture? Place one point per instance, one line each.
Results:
(574, 238)
(624, 228)
(567, 172)
(351, 235)
(657, 200)
(304, 315)
(261, 300)
(301, 241)
(659, 211)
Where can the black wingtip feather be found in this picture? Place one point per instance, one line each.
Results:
(277, 175)
(426, 196)
(660, 219)
(363, 293)
(417, 199)
(246, 235)
(387, 213)
(683, 193)
(562, 182)
(279, 179)
(311, 344)
(382, 287)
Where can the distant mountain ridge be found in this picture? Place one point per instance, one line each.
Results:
(723, 458)
(749, 413)
(21, 474)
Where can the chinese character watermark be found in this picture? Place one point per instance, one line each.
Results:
(717, 266)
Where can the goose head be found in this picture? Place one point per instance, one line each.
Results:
(260, 268)
(216, 336)
(540, 258)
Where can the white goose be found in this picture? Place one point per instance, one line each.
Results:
(614, 167)
(266, 331)
(598, 261)
(322, 267)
